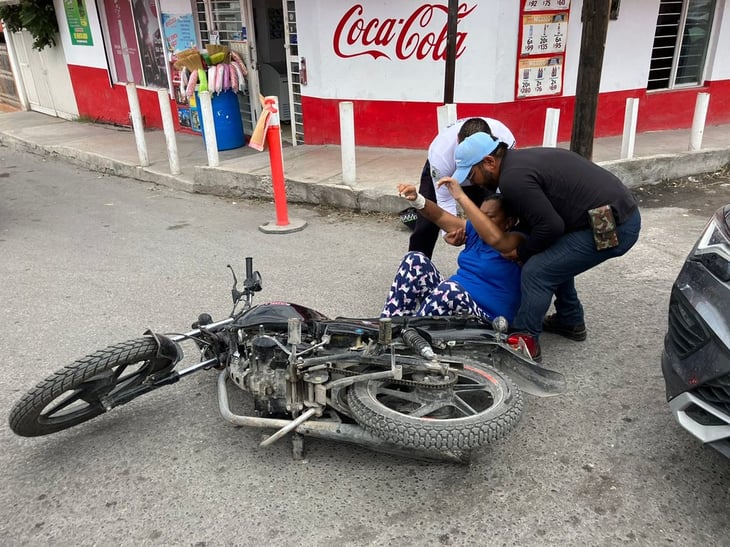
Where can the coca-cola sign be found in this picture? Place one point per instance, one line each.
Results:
(420, 35)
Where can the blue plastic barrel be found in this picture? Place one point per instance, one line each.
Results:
(226, 119)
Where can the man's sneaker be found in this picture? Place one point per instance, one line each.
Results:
(522, 341)
(537, 357)
(574, 332)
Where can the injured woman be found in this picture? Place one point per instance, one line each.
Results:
(485, 285)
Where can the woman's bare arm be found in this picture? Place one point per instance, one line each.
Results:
(488, 231)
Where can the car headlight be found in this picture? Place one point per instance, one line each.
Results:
(713, 247)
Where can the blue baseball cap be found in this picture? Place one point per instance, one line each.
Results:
(471, 151)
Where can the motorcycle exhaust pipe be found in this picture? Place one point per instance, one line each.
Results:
(331, 431)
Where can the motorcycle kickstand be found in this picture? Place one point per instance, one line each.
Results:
(297, 446)
(291, 426)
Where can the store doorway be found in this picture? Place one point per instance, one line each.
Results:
(45, 78)
(274, 39)
(268, 22)
(263, 32)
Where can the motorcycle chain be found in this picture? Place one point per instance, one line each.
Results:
(445, 382)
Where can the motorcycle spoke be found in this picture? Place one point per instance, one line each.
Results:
(119, 370)
(465, 408)
(87, 388)
(404, 395)
(92, 391)
(479, 407)
(430, 408)
(68, 401)
(481, 386)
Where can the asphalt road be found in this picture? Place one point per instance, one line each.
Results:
(88, 260)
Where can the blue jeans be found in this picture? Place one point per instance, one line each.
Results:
(553, 271)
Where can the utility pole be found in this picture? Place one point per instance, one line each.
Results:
(450, 73)
(592, 45)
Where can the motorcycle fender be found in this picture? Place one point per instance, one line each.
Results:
(532, 378)
(168, 352)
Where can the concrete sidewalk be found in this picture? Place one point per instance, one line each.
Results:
(314, 173)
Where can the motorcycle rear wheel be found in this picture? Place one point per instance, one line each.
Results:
(75, 393)
(482, 407)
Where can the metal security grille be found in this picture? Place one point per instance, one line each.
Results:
(223, 16)
(295, 67)
(680, 43)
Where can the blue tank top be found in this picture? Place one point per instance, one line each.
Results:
(491, 280)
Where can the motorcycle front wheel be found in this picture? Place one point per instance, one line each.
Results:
(77, 392)
(480, 407)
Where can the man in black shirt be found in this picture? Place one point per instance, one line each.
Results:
(576, 215)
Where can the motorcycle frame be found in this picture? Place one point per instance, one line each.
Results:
(310, 422)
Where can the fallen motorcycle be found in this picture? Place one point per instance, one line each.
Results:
(430, 387)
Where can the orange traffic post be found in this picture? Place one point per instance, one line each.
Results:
(272, 132)
(276, 158)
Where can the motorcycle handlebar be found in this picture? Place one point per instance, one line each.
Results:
(249, 267)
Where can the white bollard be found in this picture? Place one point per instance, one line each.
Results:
(698, 122)
(445, 115)
(169, 127)
(347, 143)
(137, 124)
(630, 118)
(552, 121)
(211, 143)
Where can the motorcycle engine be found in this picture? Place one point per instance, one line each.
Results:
(262, 371)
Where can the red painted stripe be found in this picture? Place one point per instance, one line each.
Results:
(481, 373)
(98, 100)
(413, 125)
(400, 124)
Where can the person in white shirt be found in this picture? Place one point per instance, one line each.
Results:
(441, 163)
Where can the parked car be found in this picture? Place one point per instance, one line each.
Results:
(696, 356)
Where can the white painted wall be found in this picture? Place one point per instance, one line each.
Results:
(486, 71)
(394, 79)
(504, 24)
(92, 56)
(718, 61)
(628, 46)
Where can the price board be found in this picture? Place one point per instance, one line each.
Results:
(542, 39)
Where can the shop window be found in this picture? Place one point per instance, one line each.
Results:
(680, 43)
(134, 42)
(220, 20)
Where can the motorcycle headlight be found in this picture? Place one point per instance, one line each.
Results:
(713, 247)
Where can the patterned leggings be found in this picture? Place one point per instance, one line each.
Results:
(419, 289)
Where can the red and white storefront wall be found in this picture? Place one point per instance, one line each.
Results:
(388, 59)
(97, 96)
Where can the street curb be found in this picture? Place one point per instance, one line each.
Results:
(223, 182)
(101, 164)
(653, 169)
